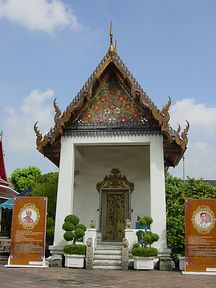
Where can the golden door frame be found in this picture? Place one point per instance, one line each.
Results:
(115, 191)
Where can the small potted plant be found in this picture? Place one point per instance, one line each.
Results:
(74, 231)
(143, 253)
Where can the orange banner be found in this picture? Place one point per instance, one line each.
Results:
(28, 232)
(200, 235)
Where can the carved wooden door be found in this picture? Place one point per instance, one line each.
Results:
(115, 213)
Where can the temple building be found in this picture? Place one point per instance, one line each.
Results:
(113, 147)
(6, 192)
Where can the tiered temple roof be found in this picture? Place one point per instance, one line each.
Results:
(6, 191)
(112, 103)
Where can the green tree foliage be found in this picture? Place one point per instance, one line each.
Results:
(50, 228)
(23, 179)
(46, 185)
(177, 191)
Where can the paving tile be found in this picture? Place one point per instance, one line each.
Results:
(83, 278)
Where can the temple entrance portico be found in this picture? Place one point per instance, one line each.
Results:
(140, 162)
(113, 147)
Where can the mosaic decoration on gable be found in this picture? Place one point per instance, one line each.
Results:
(112, 105)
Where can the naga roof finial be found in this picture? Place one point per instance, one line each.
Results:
(38, 133)
(185, 132)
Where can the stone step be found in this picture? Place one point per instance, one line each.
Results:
(108, 256)
(109, 243)
(107, 252)
(107, 267)
(108, 248)
(106, 262)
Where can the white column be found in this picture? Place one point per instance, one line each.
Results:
(64, 204)
(157, 191)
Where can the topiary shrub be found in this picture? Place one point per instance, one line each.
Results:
(68, 226)
(68, 235)
(72, 219)
(74, 231)
(144, 251)
(145, 220)
(79, 249)
(145, 239)
(136, 245)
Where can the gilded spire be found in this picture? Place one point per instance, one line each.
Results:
(112, 49)
(111, 34)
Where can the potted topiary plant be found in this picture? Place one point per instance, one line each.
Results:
(143, 253)
(74, 231)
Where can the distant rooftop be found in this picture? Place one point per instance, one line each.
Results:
(212, 182)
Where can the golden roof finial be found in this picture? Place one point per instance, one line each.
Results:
(111, 34)
(112, 49)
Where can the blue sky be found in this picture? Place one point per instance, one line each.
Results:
(48, 49)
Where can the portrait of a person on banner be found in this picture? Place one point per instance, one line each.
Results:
(27, 219)
(205, 219)
(29, 216)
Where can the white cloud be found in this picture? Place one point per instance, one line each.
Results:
(200, 157)
(42, 15)
(19, 123)
(201, 117)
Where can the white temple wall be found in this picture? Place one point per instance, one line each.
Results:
(90, 159)
(93, 163)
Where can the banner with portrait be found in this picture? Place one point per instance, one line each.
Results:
(28, 232)
(200, 235)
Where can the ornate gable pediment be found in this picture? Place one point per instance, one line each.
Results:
(113, 106)
(112, 101)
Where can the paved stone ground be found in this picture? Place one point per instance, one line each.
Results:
(83, 278)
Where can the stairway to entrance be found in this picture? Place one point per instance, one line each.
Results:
(108, 255)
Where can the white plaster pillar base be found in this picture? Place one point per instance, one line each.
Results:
(91, 233)
(130, 235)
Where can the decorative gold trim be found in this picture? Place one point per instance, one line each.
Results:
(185, 133)
(203, 226)
(115, 180)
(165, 111)
(57, 112)
(177, 136)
